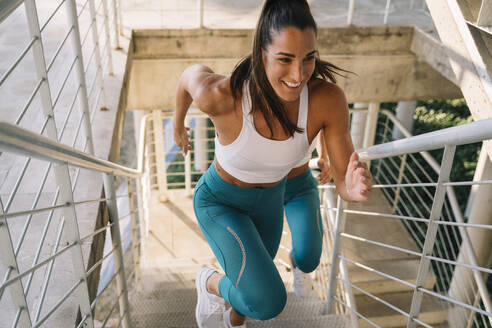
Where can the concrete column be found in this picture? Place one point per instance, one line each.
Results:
(358, 124)
(371, 124)
(404, 113)
(463, 287)
(200, 144)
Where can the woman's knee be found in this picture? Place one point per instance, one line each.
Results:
(307, 260)
(267, 303)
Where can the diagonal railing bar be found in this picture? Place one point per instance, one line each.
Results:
(380, 300)
(53, 13)
(10, 261)
(18, 60)
(33, 206)
(50, 270)
(58, 304)
(377, 243)
(81, 11)
(96, 232)
(447, 162)
(41, 242)
(29, 102)
(94, 302)
(355, 312)
(58, 50)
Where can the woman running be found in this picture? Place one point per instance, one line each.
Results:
(266, 116)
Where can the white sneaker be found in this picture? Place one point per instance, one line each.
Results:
(209, 307)
(227, 320)
(303, 284)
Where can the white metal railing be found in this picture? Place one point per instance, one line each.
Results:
(451, 231)
(55, 75)
(449, 139)
(22, 142)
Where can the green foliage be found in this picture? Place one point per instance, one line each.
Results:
(440, 114)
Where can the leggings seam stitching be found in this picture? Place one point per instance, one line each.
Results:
(243, 252)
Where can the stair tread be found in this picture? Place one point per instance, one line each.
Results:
(175, 308)
(403, 300)
(185, 320)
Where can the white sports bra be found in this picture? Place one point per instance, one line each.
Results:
(252, 158)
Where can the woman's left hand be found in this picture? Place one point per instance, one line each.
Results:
(358, 179)
(325, 175)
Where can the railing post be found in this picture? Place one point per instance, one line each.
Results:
(430, 238)
(9, 260)
(386, 12)
(334, 253)
(62, 175)
(188, 166)
(136, 233)
(120, 15)
(385, 131)
(108, 36)
(371, 124)
(200, 143)
(77, 49)
(200, 13)
(119, 268)
(160, 154)
(95, 36)
(115, 25)
(350, 12)
(399, 181)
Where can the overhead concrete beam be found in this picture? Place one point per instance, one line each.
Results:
(385, 68)
(200, 43)
(465, 56)
(433, 52)
(377, 79)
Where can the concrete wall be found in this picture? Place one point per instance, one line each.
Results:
(385, 66)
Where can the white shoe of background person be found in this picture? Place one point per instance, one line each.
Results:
(303, 284)
(227, 320)
(209, 307)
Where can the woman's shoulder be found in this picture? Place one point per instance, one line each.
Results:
(327, 95)
(215, 94)
(323, 90)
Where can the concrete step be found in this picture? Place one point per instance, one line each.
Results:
(178, 300)
(380, 314)
(323, 321)
(174, 307)
(185, 320)
(374, 283)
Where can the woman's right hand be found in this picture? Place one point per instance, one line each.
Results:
(182, 138)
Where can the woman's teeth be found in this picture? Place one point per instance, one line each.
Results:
(292, 85)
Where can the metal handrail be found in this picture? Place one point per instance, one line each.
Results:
(458, 135)
(23, 142)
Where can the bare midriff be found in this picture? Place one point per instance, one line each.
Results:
(232, 180)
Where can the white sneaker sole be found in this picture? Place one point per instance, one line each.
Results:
(200, 294)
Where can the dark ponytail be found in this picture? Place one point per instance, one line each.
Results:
(275, 15)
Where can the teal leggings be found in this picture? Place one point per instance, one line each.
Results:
(243, 227)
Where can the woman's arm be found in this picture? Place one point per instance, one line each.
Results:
(199, 84)
(352, 177)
